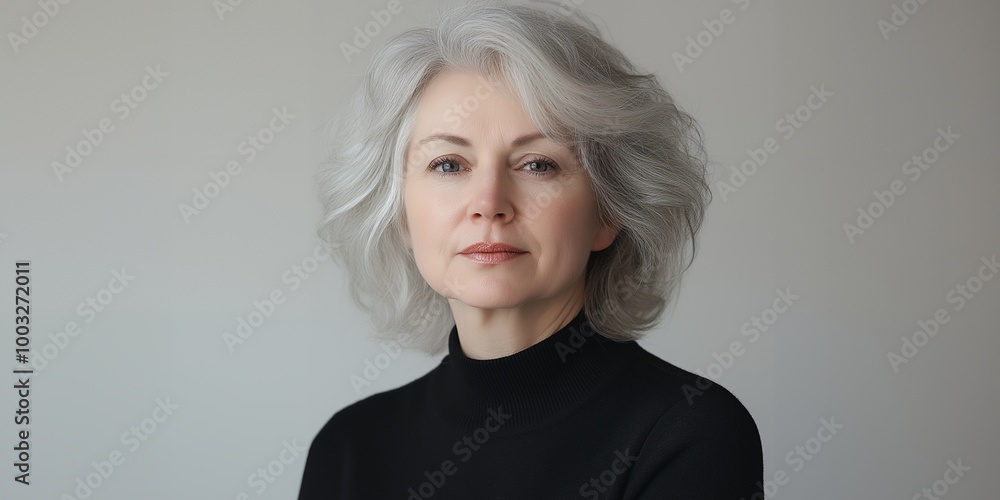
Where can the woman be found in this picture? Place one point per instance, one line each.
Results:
(512, 166)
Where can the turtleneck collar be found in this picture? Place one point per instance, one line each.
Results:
(532, 385)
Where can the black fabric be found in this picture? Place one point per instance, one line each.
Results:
(576, 415)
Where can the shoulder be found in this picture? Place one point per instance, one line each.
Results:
(354, 421)
(704, 440)
(352, 430)
(695, 405)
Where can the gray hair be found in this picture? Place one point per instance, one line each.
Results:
(643, 154)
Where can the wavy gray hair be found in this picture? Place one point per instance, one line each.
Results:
(643, 154)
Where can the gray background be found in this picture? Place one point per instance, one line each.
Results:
(826, 356)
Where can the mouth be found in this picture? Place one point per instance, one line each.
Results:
(493, 257)
(484, 248)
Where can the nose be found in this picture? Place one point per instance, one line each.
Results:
(491, 196)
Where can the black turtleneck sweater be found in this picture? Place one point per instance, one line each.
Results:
(576, 415)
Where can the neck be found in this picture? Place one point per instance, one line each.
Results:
(494, 333)
(532, 385)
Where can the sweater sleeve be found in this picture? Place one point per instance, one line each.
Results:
(705, 446)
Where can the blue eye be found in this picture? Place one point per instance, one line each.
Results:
(529, 164)
(541, 162)
(443, 161)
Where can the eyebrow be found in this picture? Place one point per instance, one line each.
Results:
(461, 141)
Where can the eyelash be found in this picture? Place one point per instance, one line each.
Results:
(451, 159)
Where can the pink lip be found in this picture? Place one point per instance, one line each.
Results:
(491, 248)
(493, 257)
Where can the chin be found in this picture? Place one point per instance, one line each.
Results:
(488, 300)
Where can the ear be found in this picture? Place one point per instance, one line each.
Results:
(605, 237)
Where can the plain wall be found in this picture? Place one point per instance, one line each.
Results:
(827, 356)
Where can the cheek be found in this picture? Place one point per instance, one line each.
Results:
(414, 206)
(572, 215)
(425, 214)
(567, 226)
(425, 226)
(425, 250)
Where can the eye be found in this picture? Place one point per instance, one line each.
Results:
(540, 162)
(452, 166)
(444, 160)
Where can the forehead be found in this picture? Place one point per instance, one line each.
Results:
(457, 84)
(460, 102)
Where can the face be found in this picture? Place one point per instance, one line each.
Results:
(478, 170)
